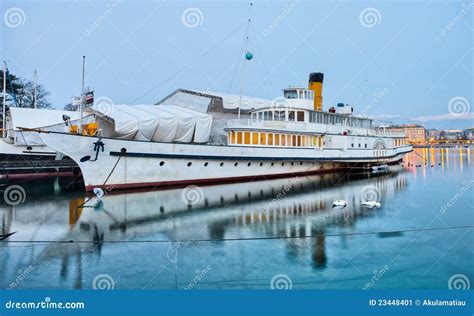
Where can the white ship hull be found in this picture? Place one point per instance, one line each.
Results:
(135, 164)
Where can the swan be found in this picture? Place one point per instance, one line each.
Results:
(372, 204)
(339, 203)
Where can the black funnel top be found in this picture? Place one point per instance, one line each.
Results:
(316, 77)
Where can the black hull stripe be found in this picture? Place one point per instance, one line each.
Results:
(150, 155)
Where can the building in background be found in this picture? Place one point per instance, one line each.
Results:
(416, 134)
(469, 133)
(452, 134)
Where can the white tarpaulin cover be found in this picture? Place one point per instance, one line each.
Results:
(186, 123)
(125, 127)
(167, 123)
(146, 124)
(229, 101)
(203, 123)
(50, 120)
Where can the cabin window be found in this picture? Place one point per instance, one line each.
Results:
(239, 137)
(233, 137)
(298, 140)
(270, 139)
(300, 116)
(291, 115)
(254, 138)
(292, 94)
(247, 138)
(365, 145)
(260, 116)
(283, 140)
(279, 115)
(263, 138)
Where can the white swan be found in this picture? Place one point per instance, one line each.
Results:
(339, 203)
(372, 204)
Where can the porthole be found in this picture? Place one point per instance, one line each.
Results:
(222, 164)
(292, 163)
(236, 164)
(282, 164)
(162, 163)
(249, 164)
(189, 164)
(301, 163)
(205, 164)
(272, 164)
(261, 164)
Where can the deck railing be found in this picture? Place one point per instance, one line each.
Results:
(310, 127)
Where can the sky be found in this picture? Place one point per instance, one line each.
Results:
(398, 61)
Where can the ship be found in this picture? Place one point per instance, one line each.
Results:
(170, 144)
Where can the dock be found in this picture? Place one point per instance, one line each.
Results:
(33, 169)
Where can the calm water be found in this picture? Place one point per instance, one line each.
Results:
(120, 243)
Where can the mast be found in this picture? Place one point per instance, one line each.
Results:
(35, 75)
(248, 56)
(4, 96)
(82, 95)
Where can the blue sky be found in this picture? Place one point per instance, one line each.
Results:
(398, 61)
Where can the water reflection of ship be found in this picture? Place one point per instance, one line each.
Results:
(294, 207)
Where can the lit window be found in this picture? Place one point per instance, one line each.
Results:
(255, 138)
(263, 138)
(247, 138)
(270, 139)
(239, 137)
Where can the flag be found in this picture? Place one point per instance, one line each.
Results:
(89, 97)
